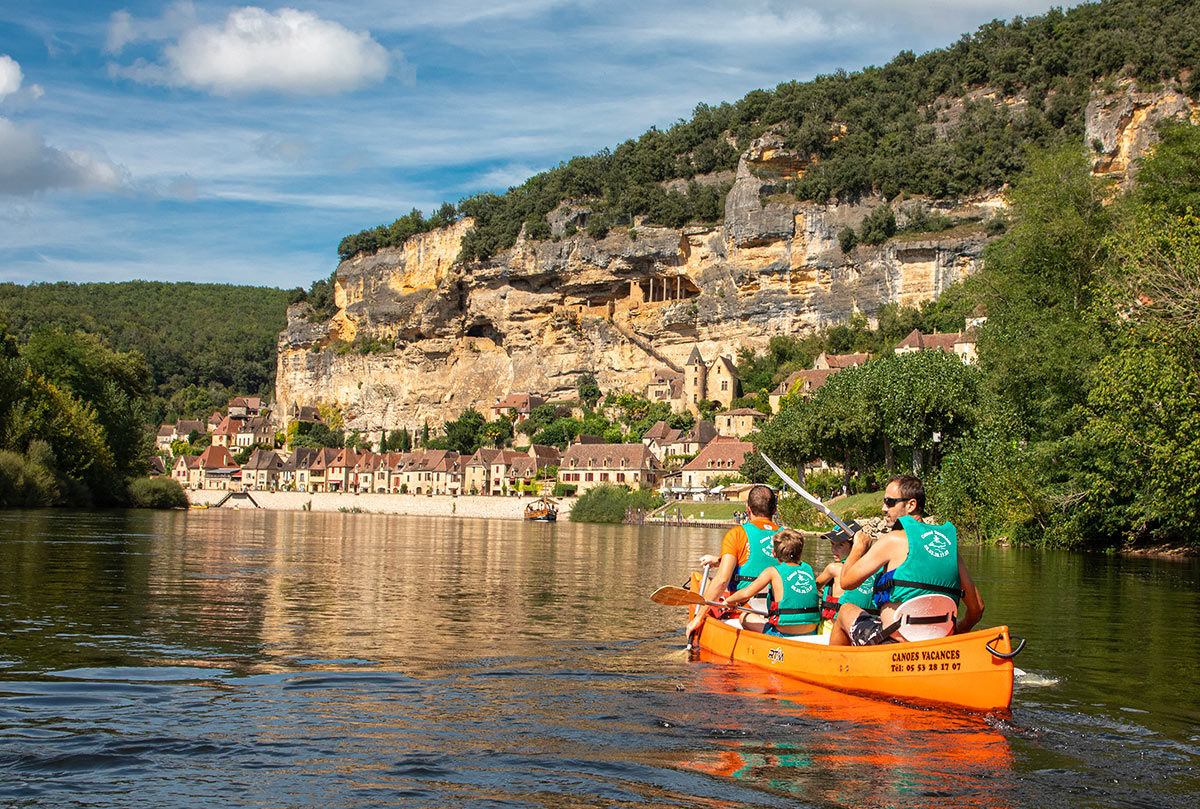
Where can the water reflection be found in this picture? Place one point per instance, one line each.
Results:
(853, 751)
(309, 659)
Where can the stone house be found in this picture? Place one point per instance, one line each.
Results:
(262, 470)
(739, 423)
(244, 407)
(218, 471)
(186, 470)
(715, 381)
(253, 431)
(225, 433)
(516, 405)
(477, 471)
(961, 344)
(586, 466)
(804, 383)
(722, 456)
(839, 362)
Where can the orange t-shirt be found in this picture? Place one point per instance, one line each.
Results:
(737, 544)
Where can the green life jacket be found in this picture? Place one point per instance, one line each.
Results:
(930, 567)
(862, 595)
(762, 555)
(799, 603)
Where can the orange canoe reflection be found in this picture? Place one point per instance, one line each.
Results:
(856, 751)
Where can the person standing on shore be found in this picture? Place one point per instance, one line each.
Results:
(746, 551)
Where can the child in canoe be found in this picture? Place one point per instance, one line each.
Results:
(839, 543)
(794, 599)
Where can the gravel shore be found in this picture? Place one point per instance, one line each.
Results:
(497, 508)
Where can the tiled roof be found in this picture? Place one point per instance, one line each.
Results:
(721, 453)
(659, 430)
(808, 380)
(217, 458)
(609, 456)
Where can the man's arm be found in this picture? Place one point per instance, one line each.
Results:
(864, 560)
(971, 598)
(720, 580)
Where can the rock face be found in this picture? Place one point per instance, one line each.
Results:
(420, 336)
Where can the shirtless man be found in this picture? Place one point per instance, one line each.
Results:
(746, 551)
(914, 559)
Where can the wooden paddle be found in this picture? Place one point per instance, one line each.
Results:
(682, 597)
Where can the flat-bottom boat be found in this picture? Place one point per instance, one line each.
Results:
(541, 510)
(972, 671)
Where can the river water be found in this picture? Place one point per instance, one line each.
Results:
(276, 659)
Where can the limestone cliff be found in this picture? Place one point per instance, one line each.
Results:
(455, 335)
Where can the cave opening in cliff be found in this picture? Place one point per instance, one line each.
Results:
(487, 331)
(667, 288)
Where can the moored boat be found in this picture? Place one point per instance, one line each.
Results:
(972, 671)
(541, 510)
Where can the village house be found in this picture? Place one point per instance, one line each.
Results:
(666, 386)
(340, 473)
(804, 383)
(721, 457)
(293, 476)
(317, 469)
(740, 422)
(218, 470)
(700, 381)
(518, 406)
(586, 466)
(839, 362)
(477, 471)
(241, 407)
(500, 478)
(225, 433)
(961, 344)
(434, 471)
(695, 439)
(180, 431)
(213, 421)
(262, 470)
(254, 431)
(364, 472)
(714, 381)
(660, 436)
(186, 471)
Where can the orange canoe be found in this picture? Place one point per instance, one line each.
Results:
(973, 670)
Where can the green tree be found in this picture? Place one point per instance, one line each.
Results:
(589, 391)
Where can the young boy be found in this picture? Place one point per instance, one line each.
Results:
(794, 607)
(839, 543)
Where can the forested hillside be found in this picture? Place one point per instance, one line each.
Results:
(931, 124)
(202, 342)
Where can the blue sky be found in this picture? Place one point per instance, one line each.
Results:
(204, 141)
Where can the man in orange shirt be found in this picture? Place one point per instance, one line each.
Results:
(746, 551)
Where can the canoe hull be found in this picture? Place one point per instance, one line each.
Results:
(957, 671)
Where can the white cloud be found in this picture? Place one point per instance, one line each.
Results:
(28, 165)
(124, 29)
(10, 76)
(254, 51)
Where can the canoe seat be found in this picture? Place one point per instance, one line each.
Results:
(926, 617)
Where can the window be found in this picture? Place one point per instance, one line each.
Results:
(587, 476)
(724, 384)
(620, 477)
(604, 476)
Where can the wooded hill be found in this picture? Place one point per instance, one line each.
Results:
(919, 124)
(202, 342)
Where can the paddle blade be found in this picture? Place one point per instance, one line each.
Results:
(676, 597)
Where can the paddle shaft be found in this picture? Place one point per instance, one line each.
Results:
(680, 596)
(798, 489)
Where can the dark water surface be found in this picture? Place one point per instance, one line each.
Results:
(282, 659)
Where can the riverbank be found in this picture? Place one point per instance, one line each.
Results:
(495, 508)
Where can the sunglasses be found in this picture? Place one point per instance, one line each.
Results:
(891, 501)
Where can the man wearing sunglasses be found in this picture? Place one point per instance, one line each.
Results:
(914, 559)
